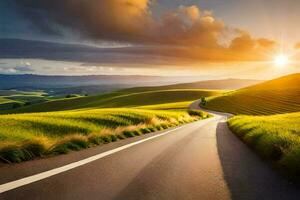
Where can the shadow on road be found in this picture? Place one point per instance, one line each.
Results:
(247, 176)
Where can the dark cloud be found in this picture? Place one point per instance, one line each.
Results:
(187, 31)
(122, 20)
(125, 20)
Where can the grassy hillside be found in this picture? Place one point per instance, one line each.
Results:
(26, 136)
(6, 103)
(281, 95)
(167, 106)
(119, 99)
(4, 100)
(10, 99)
(17, 92)
(27, 98)
(275, 137)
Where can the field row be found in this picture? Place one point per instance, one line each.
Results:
(262, 102)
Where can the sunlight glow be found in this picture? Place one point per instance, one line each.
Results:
(281, 60)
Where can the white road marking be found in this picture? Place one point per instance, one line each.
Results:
(34, 178)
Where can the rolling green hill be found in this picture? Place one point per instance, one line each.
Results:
(280, 95)
(27, 98)
(6, 103)
(4, 100)
(10, 99)
(119, 99)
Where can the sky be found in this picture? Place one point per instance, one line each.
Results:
(213, 38)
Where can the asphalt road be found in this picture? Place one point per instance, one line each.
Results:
(202, 160)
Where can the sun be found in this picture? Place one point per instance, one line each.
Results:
(281, 60)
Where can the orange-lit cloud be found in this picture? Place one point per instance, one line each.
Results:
(186, 32)
(297, 46)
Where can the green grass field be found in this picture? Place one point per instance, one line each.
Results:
(4, 100)
(272, 97)
(118, 99)
(26, 136)
(167, 106)
(17, 92)
(6, 103)
(11, 99)
(27, 98)
(276, 138)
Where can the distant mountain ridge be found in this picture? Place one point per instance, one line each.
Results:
(223, 84)
(121, 81)
(43, 81)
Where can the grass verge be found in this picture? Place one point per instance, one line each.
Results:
(276, 138)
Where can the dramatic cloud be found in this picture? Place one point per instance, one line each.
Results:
(244, 42)
(186, 31)
(122, 20)
(125, 20)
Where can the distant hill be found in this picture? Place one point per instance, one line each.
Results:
(280, 95)
(104, 82)
(224, 84)
(118, 99)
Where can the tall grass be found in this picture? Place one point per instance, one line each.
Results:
(276, 138)
(27, 136)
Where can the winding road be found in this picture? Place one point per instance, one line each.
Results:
(202, 160)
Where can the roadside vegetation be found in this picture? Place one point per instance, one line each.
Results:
(276, 138)
(268, 119)
(27, 136)
(277, 96)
